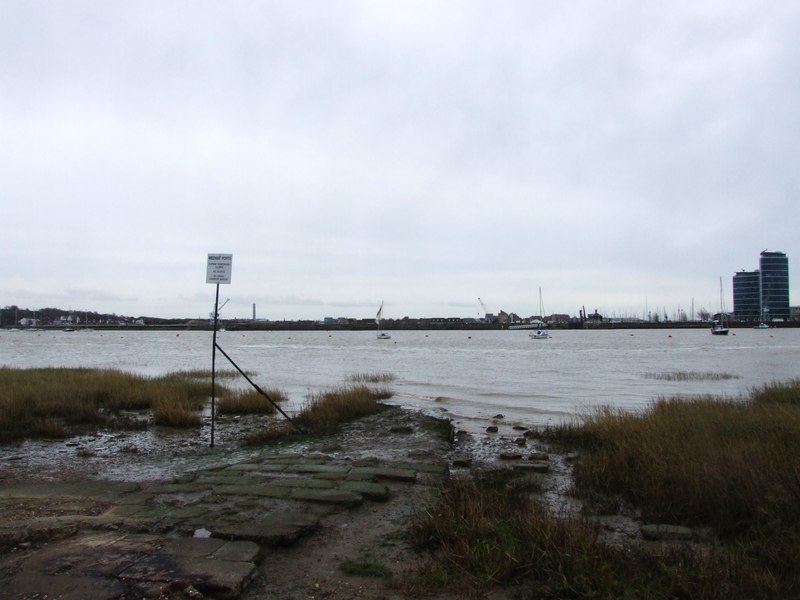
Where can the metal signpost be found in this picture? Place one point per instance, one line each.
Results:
(218, 270)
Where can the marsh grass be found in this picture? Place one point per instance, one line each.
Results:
(716, 462)
(725, 464)
(371, 378)
(691, 376)
(176, 412)
(483, 532)
(45, 402)
(327, 410)
(206, 373)
(250, 402)
(324, 413)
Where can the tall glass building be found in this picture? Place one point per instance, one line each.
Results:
(763, 295)
(747, 295)
(774, 285)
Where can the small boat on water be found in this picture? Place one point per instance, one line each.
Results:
(381, 335)
(718, 327)
(761, 326)
(540, 333)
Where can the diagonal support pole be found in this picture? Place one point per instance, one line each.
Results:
(258, 389)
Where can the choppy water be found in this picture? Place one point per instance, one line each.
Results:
(469, 375)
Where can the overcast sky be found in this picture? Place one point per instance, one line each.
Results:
(620, 155)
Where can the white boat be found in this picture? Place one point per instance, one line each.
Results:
(540, 333)
(762, 324)
(378, 317)
(718, 327)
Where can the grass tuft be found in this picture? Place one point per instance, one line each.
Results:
(327, 410)
(371, 378)
(691, 376)
(250, 402)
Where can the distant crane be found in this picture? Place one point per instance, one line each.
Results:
(211, 314)
(487, 316)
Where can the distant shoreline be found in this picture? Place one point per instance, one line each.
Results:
(399, 325)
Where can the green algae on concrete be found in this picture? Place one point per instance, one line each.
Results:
(312, 468)
(336, 496)
(372, 473)
(303, 482)
(267, 490)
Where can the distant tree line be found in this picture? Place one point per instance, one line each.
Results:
(14, 316)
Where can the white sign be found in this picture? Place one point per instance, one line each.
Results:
(218, 269)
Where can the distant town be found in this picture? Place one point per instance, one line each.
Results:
(14, 317)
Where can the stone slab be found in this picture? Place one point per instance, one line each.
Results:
(267, 490)
(219, 579)
(533, 466)
(339, 497)
(406, 475)
(317, 468)
(191, 546)
(277, 529)
(303, 482)
(372, 491)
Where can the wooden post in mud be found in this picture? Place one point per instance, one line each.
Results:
(218, 270)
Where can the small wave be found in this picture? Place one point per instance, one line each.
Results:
(423, 397)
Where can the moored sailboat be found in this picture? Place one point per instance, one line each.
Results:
(381, 335)
(719, 327)
(540, 333)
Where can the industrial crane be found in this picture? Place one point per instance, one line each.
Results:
(487, 316)
(211, 314)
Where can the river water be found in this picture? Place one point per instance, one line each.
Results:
(470, 376)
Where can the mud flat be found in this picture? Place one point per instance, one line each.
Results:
(272, 522)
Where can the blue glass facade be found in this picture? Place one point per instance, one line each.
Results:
(747, 296)
(763, 295)
(775, 285)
